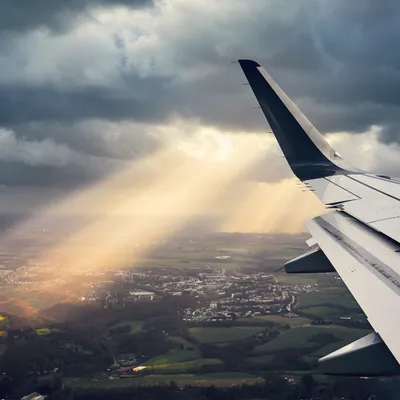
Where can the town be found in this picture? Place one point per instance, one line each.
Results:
(220, 294)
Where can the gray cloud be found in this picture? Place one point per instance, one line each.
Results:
(110, 140)
(46, 163)
(24, 15)
(13, 173)
(20, 105)
(330, 52)
(98, 84)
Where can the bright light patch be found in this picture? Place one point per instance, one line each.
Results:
(135, 210)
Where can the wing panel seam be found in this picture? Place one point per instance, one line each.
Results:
(384, 219)
(378, 178)
(373, 188)
(346, 190)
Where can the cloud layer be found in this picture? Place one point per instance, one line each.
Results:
(89, 83)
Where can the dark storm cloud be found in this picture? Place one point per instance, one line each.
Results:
(338, 59)
(23, 15)
(96, 138)
(340, 54)
(359, 41)
(21, 105)
(15, 174)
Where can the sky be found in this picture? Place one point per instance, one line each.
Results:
(89, 87)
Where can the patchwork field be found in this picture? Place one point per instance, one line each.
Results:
(332, 303)
(136, 326)
(178, 341)
(297, 279)
(299, 338)
(217, 379)
(222, 335)
(322, 312)
(43, 331)
(184, 367)
(245, 252)
(339, 297)
(278, 319)
(175, 356)
(263, 359)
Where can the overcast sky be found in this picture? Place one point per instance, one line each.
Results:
(87, 85)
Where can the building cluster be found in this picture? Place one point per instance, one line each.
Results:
(220, 294)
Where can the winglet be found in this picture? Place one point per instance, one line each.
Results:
(307, 152)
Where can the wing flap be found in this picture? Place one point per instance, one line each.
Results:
(313, 261)
(347, 243)
(368, 356)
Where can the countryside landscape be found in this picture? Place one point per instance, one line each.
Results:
(201, 310)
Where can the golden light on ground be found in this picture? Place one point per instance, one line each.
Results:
(169, 184)
(186, 187)
(132, 211)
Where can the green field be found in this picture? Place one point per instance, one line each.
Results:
(218, 335)
(322, 312)
(222, 379)
(296, 279)
(43, 331)
(264, 359)
(136, 326)
(298, 338)
(175, 356)
(340, 298)
(178, 340)
(278, 319)
(184, 367)
(332, 303)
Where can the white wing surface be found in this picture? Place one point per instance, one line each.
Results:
(359, 238)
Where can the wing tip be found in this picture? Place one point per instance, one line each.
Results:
(244, 62)
(305, 149)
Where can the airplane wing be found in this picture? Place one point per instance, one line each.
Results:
(359, 237)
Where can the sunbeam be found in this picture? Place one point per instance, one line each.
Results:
(132, 211)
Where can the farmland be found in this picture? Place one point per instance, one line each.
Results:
(135, 326)
(278, 319)
(304, 279)
(329, 304)
(216, 379)
(175, 356)
(186, 366)
(43, 331)
(339, 297)
(322, 312)
(223, 335)
(300, 338)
